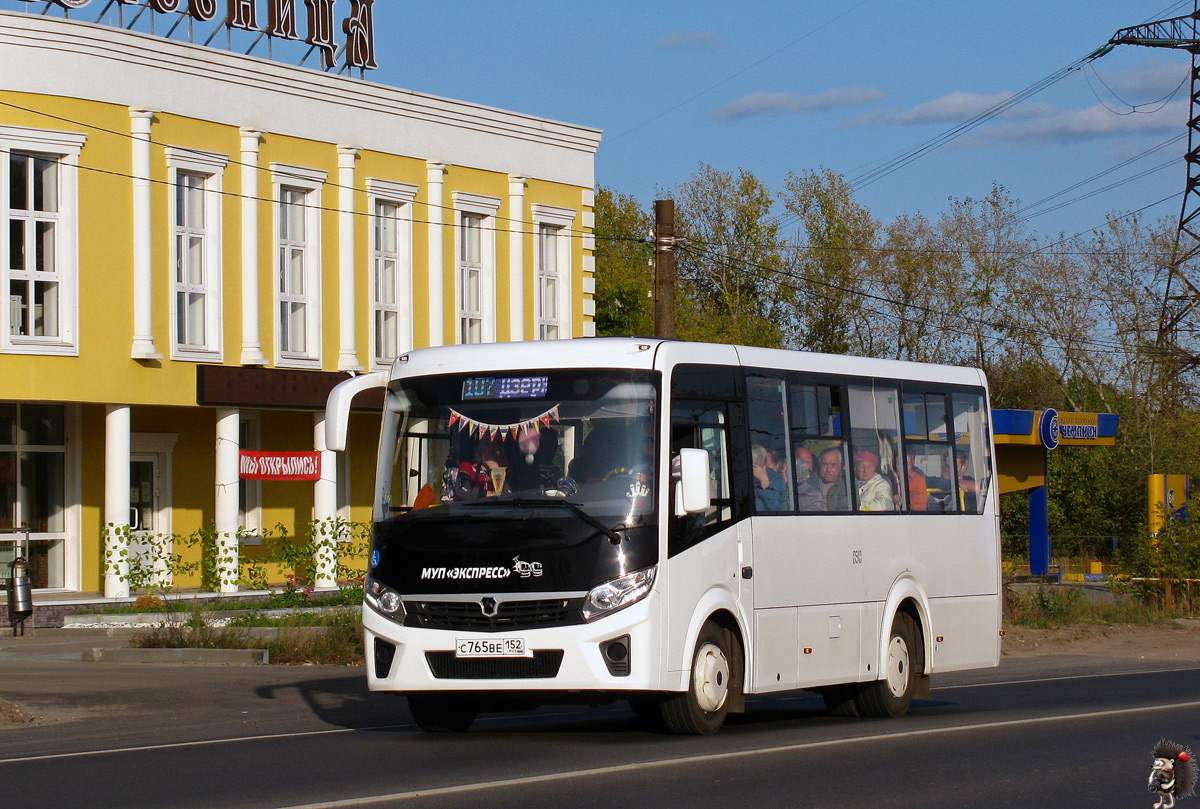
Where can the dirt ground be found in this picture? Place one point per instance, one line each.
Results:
(1178, 641)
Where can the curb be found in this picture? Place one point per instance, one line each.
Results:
(224, 657)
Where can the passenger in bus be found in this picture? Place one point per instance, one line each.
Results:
(918, 487)
(770, 489)
(968, 489)
(483, 476)
(833, 484)
(776, 461)
(808, 495)
(874, 492)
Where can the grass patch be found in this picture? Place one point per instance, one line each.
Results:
(1050, 607)
(336, 641)
(347, 597)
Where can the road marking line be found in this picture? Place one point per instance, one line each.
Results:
(302, 734)
(1062, 678)
(201, 743)
(371, 800)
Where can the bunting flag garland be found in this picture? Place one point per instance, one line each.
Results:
(480, 429)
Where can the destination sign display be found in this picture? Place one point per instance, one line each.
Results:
(513, 387)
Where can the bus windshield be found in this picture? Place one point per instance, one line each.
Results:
(585, 438)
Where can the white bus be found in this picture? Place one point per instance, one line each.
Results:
(679, 525)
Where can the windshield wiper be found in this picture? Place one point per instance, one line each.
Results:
(538, 502)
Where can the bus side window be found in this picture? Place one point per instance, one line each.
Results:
(973, 464)
(879, 482)
(767, 420)
(820, 468)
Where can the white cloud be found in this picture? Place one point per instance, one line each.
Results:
(953, 108)
(762, 103)
(1142, 84)
(1086, 124)
(691, 40)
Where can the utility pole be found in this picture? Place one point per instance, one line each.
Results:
(1182, 34)
(664, 268)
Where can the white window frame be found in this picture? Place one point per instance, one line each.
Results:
(401, 195)
(486, 208)
(552, 216)
(309, 181)
(250, 517)
(65, 147)
(211, 167)
(71, 548)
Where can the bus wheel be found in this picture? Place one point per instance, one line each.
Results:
(442, 713)
(701, 709)
(903, 664)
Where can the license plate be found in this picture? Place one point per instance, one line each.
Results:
(491, 647)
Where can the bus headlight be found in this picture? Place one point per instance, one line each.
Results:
(617, 593)
(383, 599)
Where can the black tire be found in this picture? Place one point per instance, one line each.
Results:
(442, 713)
(839, 699)
(903, 665)
(701, 709)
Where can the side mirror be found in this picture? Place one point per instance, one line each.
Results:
(691, 492)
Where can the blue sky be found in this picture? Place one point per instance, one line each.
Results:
(774, 87)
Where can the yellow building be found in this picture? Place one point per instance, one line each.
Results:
(199, 244)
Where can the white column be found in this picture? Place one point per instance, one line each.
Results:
(143, 258)
(347, 355)
(228, 476)
(324, 508)
(436, 177)
(251, 344)
(116, 501)
(516, 257)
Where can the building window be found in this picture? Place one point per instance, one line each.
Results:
(552, 299)
(385, 286)
(470, 279)
(298, 265)
(39, 239)
(391, 269)
(547, 282)
(33, 500)
(293, 286)
(476, 278)
(196, 253)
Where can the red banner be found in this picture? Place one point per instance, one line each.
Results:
(280, 465)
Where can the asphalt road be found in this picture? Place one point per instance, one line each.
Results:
(1061, 731)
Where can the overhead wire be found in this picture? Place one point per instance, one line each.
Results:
(1101, 346)
(232, 162)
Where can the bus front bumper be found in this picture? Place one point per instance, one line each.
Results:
(565, 658)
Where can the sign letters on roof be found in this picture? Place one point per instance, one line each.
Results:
(358, 26)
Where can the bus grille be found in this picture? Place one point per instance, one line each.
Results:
(510, 615)
(543, 664)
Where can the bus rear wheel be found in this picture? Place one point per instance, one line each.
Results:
(701, 709)
(442, 713)
(903, 664)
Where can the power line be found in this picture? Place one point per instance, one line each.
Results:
(1100, 346)
(232, 162)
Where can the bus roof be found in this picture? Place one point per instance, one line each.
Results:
(654, 352)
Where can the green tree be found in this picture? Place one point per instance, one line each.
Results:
(830, 266)
(729, 269)
(624, 268)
